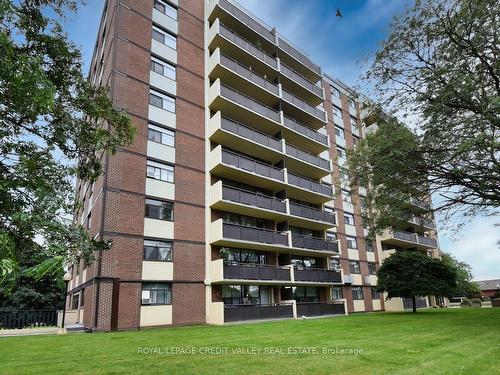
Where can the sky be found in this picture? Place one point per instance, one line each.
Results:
(342, 46)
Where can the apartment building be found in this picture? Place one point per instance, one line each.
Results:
(233, 203)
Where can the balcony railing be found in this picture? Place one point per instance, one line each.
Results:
(313, 243)
(251, 134)
(239, 232)
(255, 272)
(318, 275)
(238, 313)
(316, 112)
(307, 157)
(423, 222)
(242, 70)
(421, 203)
(309, 184)
(294, 76)
(253, 199)
(319, 308)
(306, 131)
(247, 20)
(298, 56)
(414, 237)
(311, 213)
(427, 241)
(252, 165)
(249, 47)
(249, 103)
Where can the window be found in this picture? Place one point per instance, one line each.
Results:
(351, 243)
(375, 294)
(161, 135)
(339, 132)
(341, 152)
(348, 218)
(163, 68)
(372, 268)
(330, 236)
(247, 221)
(354, 266)
(344, 176)
(329, 210)
(166, 8)
(158, 250)
(335, 92)
(351, 103)
(238, 256)
(369, 245)
(306, 294)
(158, 171)
(82, 298)
(164, 37)
(159, 210)
(243, 294)
(346, 196)
(335, 264)
(355, 140)
(354, 125)
(74, 301)
(162, 101)
(357, 293)
(336, 292)
(337, 112)
(156, 293)
(303, 262)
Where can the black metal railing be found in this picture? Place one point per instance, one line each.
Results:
(311, 213)
(250, 133)
(406, 236)
(307, 157)
(314, 243)
(299, 56)
(249, 103)
(239, 313)
(252, 165)
(317, 275)
(247, 46)
(426, 240)
(305, 131)
(247, 20)
(255, 272)
(421, 303)
(242, 70)
(253, 199)
(240, 232)
(27, 319)
(307, 183)
(316, 112)
(301, 80)
(319, 308)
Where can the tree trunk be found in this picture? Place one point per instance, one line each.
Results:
(414, 304)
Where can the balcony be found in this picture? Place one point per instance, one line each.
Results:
(302, 187)
(238, 17)
(228, 234)
(311, 213)
(422, 222)
(421, 203)
(320, 308)
(307, 89)
(240, 107)
(309, 158)
(304, 136)
(303, 111)
(318, 275)
(401, 238)
(313, 243)
(299, 61)
(241, 313)
(236, 74)
(256, 272)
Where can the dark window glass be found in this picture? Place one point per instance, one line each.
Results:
(156, 293)
(158, 250)
(159, 210)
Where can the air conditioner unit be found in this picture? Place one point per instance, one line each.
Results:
(146, 301)
(146, 297)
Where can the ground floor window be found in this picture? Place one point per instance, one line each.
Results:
(74, 301)
(156, 293)
(357, 293)
(239, 256)
(306, 294)
(336, 292)
(375, 294)
(246, 294)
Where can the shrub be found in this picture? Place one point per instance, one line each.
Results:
(466, 303)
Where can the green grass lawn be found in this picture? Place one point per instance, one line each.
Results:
(452, 341)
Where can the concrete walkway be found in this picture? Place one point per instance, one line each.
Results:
(28, 331)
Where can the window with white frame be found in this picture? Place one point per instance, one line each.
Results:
(330, 210)
(372, 268)
(161, 135)
(348, 218)
(346, 196)
(159, 171)
(341, 152)
(339, 132)
(156, 293)
(336, 292)
(351, 103)
(158, 250)
(166, 8)
(351, 242)
(162, 101)
(164, 37)
(164, 68)
(354, 266)
(357, 293)
(331, 236)
(354, 123)
(337, 112)
(335, 92)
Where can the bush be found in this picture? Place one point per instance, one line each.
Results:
(466, 303)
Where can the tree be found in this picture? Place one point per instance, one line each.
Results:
(438, 71)
(465, 286)
(409, 274)
(54, 127)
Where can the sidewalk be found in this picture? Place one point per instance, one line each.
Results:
(28, 331)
